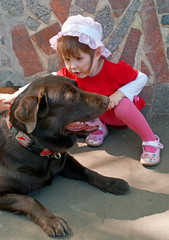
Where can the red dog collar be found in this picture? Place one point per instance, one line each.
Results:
(28, 143)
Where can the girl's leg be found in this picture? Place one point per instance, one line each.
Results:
(127, 112)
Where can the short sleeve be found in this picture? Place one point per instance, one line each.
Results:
(64, 72)
(126, 73)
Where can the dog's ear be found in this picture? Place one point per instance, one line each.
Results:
(28, 108)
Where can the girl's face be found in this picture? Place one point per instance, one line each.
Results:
(81, 65)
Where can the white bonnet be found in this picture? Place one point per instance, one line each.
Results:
(86, 29)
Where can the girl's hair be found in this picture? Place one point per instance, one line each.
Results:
(68, 46)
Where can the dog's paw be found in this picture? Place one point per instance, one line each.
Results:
(53, 225)
(115, 185)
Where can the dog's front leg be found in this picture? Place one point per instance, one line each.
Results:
(75, 170)
(51, 224)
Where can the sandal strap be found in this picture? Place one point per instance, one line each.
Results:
(155, 143)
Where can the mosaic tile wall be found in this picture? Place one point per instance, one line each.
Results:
(136, 31)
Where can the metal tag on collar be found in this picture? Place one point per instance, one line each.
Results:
(55, 155)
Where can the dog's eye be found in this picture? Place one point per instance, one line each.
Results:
(71, 95)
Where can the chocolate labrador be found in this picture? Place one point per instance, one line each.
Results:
(35, 134)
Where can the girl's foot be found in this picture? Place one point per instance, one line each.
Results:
(151, 158)
(96, 138)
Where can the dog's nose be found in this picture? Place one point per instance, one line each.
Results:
(106, 101)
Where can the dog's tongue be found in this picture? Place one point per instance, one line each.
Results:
(81, 126)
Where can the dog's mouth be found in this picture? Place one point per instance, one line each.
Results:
(81, 127)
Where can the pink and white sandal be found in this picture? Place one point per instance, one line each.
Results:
(96, 138)
(148, 158)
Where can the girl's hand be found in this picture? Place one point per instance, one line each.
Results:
(115, 99)
(7, 98)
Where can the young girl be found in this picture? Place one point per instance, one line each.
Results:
(85, 57)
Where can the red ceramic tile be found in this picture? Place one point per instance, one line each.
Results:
(130, 48)
(25, 51)
(119, 6)
(42, 37)
(153, 44)
(61, 9)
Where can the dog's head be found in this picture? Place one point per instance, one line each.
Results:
(53, 107)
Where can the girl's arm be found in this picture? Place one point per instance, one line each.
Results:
(21, 89)
(133, 88)
(8, 98)
(129, 90)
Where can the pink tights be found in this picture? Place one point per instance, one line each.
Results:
(126, 113)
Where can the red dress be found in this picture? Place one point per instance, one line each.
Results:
(111, 77)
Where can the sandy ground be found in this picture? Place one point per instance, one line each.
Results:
(142, 214)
